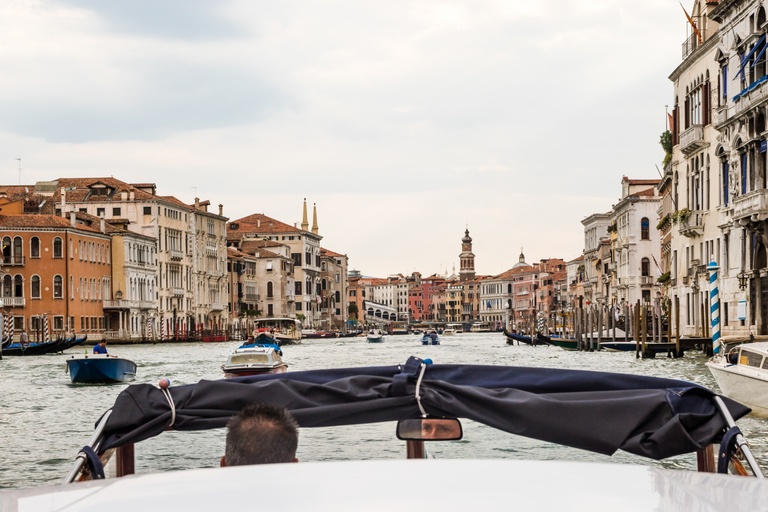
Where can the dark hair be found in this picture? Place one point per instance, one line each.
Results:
(261, 434)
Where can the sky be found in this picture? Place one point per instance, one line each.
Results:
(404, 122)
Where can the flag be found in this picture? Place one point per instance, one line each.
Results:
(696, 30)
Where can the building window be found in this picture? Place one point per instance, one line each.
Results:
(57, 248)
(147, 210)
(645, 232)
(58, 285)
(269, 291)
(645, 267)
(58, 323)
(35, 287)
(34, 247)
(116, 212)
(100, 212)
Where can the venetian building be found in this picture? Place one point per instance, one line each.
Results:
(739, 163)
(467, 258)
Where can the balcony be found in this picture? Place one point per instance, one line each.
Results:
(128, 304)
(14, 261)
(692, 139)
(251, 297)
(217, 306)
(752, 205)
(646, 280)
(693, 226)
(177, 292)
(692, 42)
(176, 255)
(14, 302)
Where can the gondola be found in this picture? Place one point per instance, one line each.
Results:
(31, 349)
(564, 343)
(512, 337)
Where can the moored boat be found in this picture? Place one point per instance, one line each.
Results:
(256, 359)
(742, 374)
(564, 343)
(100, 369)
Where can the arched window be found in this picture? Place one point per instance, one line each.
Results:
(35, 287)
(338, 296)
(269, 290)
(324, 266)
(57, 248)
(18, 286)
(7, 249)
(18, 252)
(34, 247)
(71, 287)
(324, 284)
(645, 229)
(509, 288)
(58, 292)
(645, 267)
(7, 286)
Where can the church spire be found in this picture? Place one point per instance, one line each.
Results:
(304, 220)
(314, 218)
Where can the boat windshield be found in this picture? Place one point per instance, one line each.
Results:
(249, 358)
(749, 358)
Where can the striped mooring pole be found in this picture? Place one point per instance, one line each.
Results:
(714, 305)
(46, 332)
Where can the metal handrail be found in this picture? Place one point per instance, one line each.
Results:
(740, 441)
(94, 442)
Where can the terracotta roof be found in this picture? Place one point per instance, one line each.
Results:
(577, 259)
(252, 246)
(640, 182)
(331, 254)
(263, 253)
(82, 190)
(234, 253)
(260, 223)
(646, 193)
(176, 201)
(41, 221)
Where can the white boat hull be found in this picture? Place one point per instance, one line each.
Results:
(743, 384)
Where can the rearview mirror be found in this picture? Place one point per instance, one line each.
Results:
(429, 429)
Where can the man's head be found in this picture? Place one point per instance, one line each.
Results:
(261, 434)
(103, 343)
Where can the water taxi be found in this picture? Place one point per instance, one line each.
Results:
(254, 359)
(595, 411)
(99, 369)
(287, 331)
(375, 336)
(742, 374)
(481, 327)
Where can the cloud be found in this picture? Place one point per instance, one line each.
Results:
(173, 19)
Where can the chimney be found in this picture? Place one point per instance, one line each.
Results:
(221, 210)
(72, 218)
(197, 203)
(63, 202)
(103, 225)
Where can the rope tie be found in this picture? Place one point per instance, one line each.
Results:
(418, 388)
(164, 384)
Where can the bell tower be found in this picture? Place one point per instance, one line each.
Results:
(467, 259)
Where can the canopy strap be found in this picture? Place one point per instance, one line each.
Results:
(727, 448)
(93, 462)
(168, 397)
(418, 387)
(400, 380)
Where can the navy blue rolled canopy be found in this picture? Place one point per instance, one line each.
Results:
(595, 411)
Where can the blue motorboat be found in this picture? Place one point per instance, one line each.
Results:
(430, 339)
(100, 369)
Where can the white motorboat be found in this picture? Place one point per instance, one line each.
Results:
(286, 331)
(375, 336)
(742, 374)
(254, 360)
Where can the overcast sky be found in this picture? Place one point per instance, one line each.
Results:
(404, 121)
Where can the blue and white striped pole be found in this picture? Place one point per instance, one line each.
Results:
(714, 305)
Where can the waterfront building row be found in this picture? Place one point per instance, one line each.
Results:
(166, 268)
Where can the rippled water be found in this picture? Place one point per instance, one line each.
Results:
(44, 419)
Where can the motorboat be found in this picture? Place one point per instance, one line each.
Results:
(596, 411)
(286, 331)
(100, 369)
(254, 359)
(481, 327)
(375, 336)
(430, 339)
(313, 334)
(742, 374)
(451, 329)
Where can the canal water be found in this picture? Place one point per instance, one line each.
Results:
(45, 420)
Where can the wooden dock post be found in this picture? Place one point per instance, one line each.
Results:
(613, 322)
(600, 320)
(626, 322)
(644, 329)
(636, 329)
(678, 352)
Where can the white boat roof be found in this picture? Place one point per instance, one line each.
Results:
(760, 346)
(397, 485)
